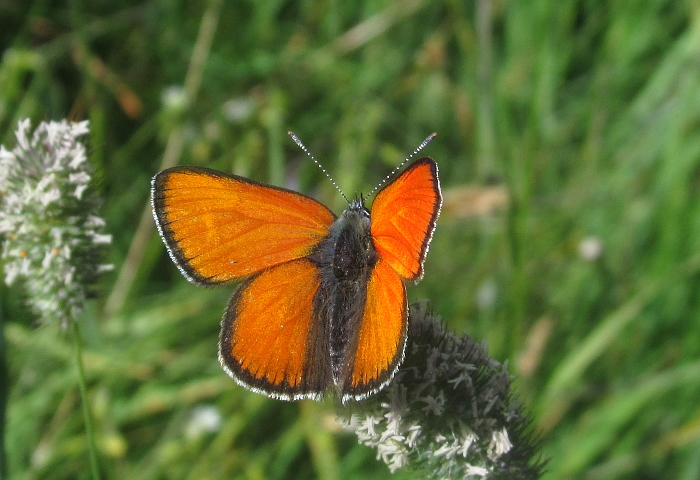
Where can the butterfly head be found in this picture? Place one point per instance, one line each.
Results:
(358, 205)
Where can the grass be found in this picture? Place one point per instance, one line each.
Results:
(585, 112)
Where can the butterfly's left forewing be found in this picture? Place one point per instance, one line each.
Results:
(221, 227)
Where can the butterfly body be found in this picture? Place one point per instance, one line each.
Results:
(323, 306)
(345, 259)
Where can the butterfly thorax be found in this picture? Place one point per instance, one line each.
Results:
(347, 253)
(353, 252)
(345, 257)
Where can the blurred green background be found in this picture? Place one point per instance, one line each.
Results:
(569, 153)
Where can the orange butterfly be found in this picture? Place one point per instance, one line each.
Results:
(323, 306)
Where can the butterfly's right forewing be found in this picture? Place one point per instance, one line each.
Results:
(404, 215)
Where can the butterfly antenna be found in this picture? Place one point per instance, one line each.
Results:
(393, 172)
(306, 151)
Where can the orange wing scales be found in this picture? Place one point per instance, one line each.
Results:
(382, 335)
(221, 227)
(266, 331)
(404, 215)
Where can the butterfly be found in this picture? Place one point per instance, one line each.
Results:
(322, 307)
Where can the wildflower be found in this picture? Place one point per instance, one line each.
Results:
(52, 237)
(174, 98)
(487, 294)
(590, 248)
(448, 413)
(238, 110)
(203, 419)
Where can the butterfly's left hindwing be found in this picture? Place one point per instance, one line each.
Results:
(270, 334)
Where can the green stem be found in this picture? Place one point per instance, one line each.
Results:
(173, 150)
(4, 394)
(84, 398)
